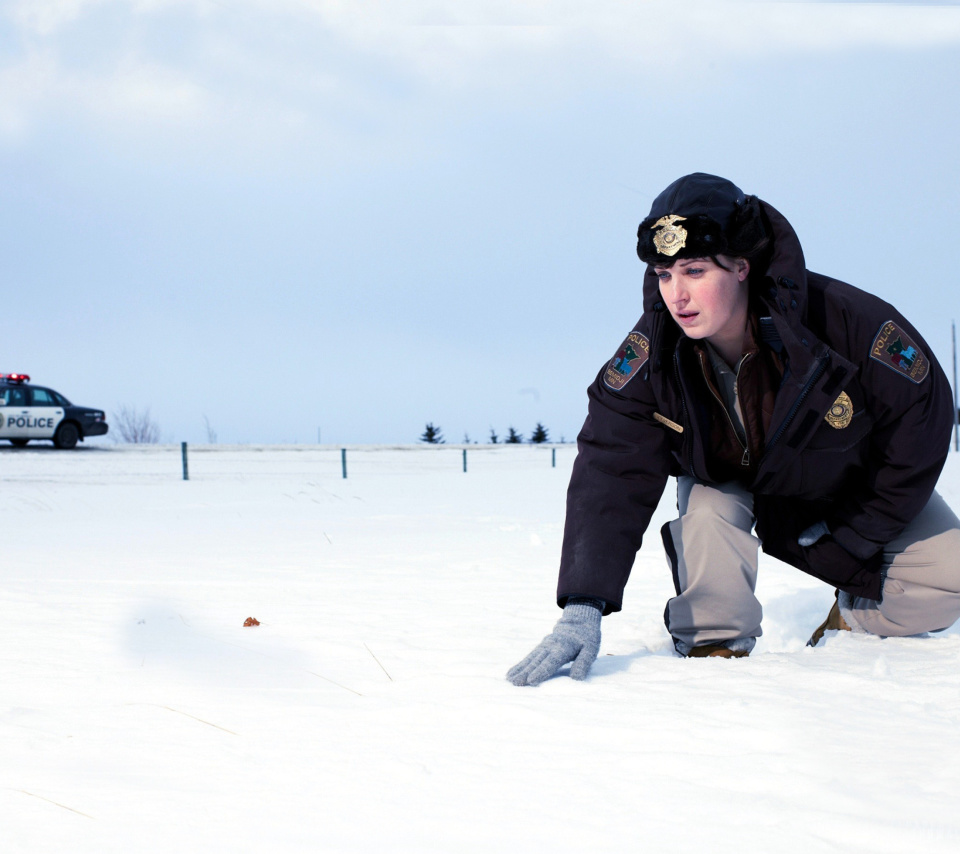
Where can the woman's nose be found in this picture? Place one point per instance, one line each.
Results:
(675, 294)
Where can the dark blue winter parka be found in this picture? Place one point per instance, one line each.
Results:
(859, 431)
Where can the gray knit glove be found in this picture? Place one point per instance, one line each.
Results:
(813, 534)
(575, 637)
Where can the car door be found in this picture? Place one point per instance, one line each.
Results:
(15, 415)
(45, 414)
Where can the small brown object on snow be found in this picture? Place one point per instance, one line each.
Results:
(251, 621)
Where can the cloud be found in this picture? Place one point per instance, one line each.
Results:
(272, 70)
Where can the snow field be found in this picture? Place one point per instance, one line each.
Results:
(369, 710)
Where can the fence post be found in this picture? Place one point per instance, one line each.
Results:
(343, 461)
(464, 460)
(553, 458)
(183, 453)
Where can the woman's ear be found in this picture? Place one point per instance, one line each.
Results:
(743, 269)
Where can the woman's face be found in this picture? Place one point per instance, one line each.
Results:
(707, 301)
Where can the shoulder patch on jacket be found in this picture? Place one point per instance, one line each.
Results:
(895, 349)
(626, 364)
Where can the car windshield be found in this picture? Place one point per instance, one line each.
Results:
(60, 398)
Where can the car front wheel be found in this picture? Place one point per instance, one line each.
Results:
(66, 436)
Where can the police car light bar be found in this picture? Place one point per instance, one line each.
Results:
(16, 378)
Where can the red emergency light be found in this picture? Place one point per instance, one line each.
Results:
(16, 378)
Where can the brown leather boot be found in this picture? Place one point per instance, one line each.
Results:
(833, 623)
(716, 650)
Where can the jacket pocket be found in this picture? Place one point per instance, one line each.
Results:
(833, 456)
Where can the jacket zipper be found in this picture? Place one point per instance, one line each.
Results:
(745, 459)
(688, 431)
(821, 367)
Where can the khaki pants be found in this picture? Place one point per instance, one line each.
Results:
(713, 556)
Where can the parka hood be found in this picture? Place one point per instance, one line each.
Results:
(720, 200)
(778, 287)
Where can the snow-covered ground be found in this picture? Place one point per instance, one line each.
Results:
(369, 710)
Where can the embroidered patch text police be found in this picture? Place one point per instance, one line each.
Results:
(625, 365)
(895, 349)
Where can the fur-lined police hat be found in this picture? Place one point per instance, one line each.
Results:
(702, 216)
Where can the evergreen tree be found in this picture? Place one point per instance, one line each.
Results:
(513, 437)
(539, 434)
(432, 435)
(494, 438)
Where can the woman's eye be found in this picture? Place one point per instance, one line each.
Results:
(694, 271)
(663, 276)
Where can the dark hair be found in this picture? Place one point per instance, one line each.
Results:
(666, 265)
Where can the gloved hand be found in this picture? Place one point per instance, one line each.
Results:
(575, 637)
(813, 533)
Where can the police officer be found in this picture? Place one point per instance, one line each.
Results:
(781, 400)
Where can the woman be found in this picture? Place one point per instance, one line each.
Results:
(778, 398)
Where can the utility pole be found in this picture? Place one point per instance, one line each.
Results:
(956, 413)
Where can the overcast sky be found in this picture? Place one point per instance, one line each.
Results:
(287, 215)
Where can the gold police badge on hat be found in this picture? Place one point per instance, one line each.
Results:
(841, 413)
(670, 239)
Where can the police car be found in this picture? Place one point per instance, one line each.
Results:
(29, 412)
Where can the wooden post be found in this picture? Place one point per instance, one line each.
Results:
(553, 458)
(464, 460)
(343, 461)
(183, 453)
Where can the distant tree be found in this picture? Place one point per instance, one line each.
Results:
(432, 435)
(136, 427)
(466, 438)
(513, 437)
(494, 438)
(539, 434)
(211, 433)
